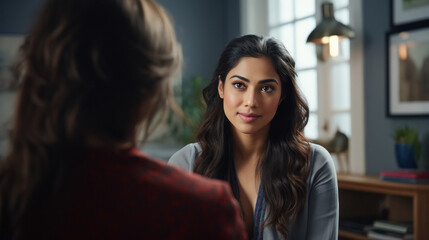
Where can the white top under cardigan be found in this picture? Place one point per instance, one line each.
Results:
(318, 219)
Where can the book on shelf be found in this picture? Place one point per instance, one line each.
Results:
(405, 180)
(393, 226)
(378, 234)
(412, 174)
(356, 225)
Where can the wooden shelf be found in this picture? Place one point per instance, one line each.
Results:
(368, 196)
(349, 235)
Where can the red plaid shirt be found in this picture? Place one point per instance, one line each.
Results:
(128, 195)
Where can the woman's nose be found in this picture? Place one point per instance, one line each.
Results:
(250, 98)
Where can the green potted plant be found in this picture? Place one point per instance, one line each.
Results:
(190, 99)
(407, 147)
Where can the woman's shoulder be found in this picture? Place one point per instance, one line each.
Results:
(321, 160)
(185, 157)
(319, 152)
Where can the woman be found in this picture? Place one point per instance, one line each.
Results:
(252, 137)
(91, 73)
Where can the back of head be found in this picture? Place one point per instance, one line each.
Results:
(89, 68)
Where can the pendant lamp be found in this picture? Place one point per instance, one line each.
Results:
(329, 31)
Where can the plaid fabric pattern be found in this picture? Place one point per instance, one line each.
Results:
(128, 195)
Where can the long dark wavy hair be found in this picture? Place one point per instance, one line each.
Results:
(89, 69)
(285, 166)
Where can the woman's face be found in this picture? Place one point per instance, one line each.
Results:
(251, 94)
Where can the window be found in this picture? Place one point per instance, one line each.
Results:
(326, 85)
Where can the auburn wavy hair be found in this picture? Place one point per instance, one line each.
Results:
(88, 69)
(285, 166)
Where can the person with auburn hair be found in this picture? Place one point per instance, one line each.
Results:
(92, 74)
(252, 137)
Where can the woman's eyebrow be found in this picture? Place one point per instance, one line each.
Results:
(268, 80)
(240, 77)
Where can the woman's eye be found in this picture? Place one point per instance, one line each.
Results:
(238, 85)
(267, 89)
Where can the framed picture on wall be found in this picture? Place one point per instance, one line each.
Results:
(409, 11)
(408, 72)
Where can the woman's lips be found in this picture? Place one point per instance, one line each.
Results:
(248, 117)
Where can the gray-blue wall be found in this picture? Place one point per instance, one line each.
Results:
(17, 16)
(379, 128)
(203, 27)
